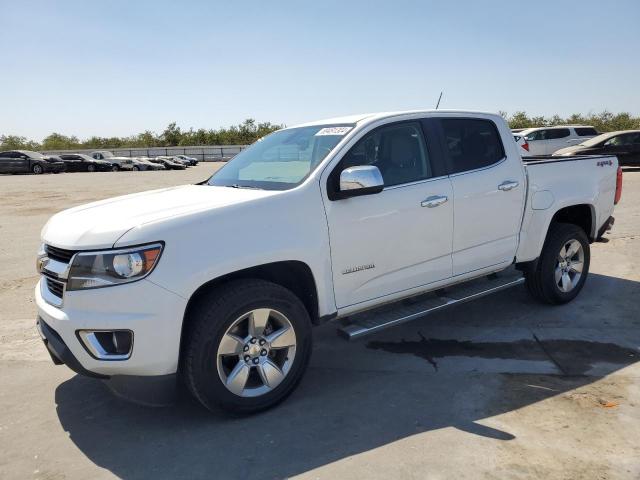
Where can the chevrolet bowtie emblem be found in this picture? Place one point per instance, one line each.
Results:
(41, 263)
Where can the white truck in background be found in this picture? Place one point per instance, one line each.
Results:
(220, 283)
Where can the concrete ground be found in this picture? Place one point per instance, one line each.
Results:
(499, 388)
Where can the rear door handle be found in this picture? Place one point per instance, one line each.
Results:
(507, 185)
(434, 201)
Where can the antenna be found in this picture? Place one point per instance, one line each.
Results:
(439, 98)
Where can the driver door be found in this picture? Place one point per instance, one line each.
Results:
(387, 243)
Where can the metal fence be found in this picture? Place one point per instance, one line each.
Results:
(205, 153)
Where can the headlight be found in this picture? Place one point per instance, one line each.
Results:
(112, 267)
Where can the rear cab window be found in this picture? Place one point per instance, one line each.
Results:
(586, 132)
(471, 143)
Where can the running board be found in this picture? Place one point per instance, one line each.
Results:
(392, 314)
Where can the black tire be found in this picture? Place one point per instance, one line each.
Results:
(37, 169)
(209, 320)
(91, 168)
(540, 277)
(136, 168)
(115, 168)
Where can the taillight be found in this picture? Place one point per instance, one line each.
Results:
(618, 186)
(525, 145)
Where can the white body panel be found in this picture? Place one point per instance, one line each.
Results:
(210, 232)
(405, 244)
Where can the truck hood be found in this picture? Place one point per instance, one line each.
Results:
(100, 224)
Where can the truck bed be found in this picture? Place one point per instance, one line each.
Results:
(537, 159)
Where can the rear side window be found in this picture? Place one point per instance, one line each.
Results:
(471, 143)
(557, 133)
(586, 132)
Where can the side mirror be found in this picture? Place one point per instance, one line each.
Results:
(361, 180)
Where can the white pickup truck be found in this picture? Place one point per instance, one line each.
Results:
(220, 283)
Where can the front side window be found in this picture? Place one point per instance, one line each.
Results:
(281, 160)
(536, 135)
(471, 143)
(398, 150)
(620, 141)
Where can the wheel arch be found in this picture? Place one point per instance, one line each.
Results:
(294, 275)
(582, 215)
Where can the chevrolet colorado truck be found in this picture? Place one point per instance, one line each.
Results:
(219, 284)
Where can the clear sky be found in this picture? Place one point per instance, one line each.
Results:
(121, 67)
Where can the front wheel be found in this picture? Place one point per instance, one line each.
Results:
(563, 266)
(37, 169)
(91, 168)
(115, 168)
(136, 168)
(247, 347)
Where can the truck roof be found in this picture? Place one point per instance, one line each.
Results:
(351, 119)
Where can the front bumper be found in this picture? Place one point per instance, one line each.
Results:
(59, 351)
(153, 314)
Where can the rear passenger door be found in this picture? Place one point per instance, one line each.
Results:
(488, 193)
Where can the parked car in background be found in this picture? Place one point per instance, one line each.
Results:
(192, 161)
(547, 140)
(78, 162)
(26, 161)
(146, 162)
(176, 159)
(169, 164)
(623, 144)
(142, 165)
(120, 163)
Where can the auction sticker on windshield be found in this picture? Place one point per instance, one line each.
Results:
(333, 131)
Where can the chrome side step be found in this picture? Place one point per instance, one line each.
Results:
(370, 321)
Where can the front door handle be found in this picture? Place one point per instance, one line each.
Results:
(433, 201)
(507, 185)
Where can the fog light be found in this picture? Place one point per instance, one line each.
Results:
(107, 344)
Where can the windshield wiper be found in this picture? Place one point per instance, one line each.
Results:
(237, 185)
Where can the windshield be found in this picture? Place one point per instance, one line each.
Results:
(34, 155)
(282, 160)
(592, 142)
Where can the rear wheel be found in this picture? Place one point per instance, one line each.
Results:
(248, 346)
(37, 169)
(563, 266)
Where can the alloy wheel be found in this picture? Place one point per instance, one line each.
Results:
(569, 264)
(256, 352)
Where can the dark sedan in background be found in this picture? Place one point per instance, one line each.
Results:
(624, 144)
(168, 164)
(26, 161)
(77, 162)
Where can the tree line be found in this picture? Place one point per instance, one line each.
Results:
(243, 134)
(249, 131)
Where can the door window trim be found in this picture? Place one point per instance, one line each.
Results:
(445, 151)
(432, 159)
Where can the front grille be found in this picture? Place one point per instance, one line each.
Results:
(59, 254)
(55, 287)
